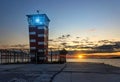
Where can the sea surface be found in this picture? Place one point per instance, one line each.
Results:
(113, 62)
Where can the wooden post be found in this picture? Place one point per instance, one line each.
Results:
(14, 56)
(0, 57)
(51, 55)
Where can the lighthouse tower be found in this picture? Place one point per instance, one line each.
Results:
(38, 37)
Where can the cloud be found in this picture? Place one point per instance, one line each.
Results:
(75, 42)
(77, 37)
(50, 40)
(105, 42)
(92, 30)
(18, 46)
(64, 36)
(116, 45)
(85, 43)
(111, 47)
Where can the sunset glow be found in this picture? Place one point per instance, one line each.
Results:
(79, 25)
(80, 56)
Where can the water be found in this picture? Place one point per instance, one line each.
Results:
(113, 62)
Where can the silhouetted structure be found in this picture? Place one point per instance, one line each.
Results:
(62, 57)
(13, 56)
(38, 34)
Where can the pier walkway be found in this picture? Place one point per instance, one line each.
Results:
(88, 72)
(28, 72)
(69, 72)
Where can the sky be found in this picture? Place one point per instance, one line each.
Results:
(92, 19)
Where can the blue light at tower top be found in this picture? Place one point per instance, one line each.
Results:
(38, 20)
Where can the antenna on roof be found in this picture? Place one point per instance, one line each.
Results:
(38, 11)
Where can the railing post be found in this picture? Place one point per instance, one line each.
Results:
(51, 55)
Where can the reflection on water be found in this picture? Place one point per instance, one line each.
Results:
(113, 62)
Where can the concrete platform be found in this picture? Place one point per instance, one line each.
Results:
(73, 72)
(88, 72)
(28, 72)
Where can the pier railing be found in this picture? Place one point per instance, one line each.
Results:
(13, 56)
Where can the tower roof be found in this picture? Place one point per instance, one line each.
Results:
(41, 15)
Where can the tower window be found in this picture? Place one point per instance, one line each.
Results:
(42, 28)
(40, 50)
(32, 48)
(41, 35)
(32, 33)
(41, 43)
(32, 40)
